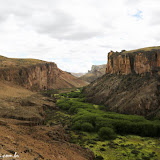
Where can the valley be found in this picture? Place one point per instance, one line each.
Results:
(25, 86)
(129, 140)
(47, 113)
(23, 129)
(79, 80)
(131, 83)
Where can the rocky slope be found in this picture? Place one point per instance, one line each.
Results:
(95, 72)
(131, 84)
(23, 129)
(23, 112)
(36, 75)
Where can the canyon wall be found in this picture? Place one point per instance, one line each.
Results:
(139, 61)
(131, 84)
(95, 72)
(38, 76)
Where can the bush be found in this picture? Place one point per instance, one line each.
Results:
(63, 105)
(99, 158)
(106, 133)
(88, 127)
(103, 123)
(96, 119)
(77, 125)
(73, 110)
(102, 107)
(86, 117)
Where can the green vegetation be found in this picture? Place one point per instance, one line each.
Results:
(121, 148)
(106, 133)
(111, 136)
(91, 115)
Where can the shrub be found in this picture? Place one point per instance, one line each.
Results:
(81, 99)
(99, 158)
(74, 95)
(106, 133)
(96, 119)
(102, 107)
(73, 109)
(88, 127)
(86, 117)
(103, 123)
(63, 104)
(77, 125)
(102, 149)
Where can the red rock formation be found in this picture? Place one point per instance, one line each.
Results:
(39, 76)
(129, 93)
(139, 61)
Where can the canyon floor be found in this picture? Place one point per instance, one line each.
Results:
(133, 137)
(33, 126)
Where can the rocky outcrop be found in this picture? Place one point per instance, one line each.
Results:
(95, 72)
(96, 68)
(139, 61)
(131, 84)
(37, 76)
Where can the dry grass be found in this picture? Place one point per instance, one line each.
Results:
(10, 90)
(18, 102)
(6, 62)
(143, 49)
(20, 129)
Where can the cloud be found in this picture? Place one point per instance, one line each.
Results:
(131, 3)
(55, 23)
(76, 34)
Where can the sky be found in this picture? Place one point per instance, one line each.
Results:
(76, 34)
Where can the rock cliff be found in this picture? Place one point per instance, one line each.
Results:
(137, 61)
(36, 75)
(95, 72)
(131, 84)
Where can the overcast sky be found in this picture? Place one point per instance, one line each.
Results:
(76, 33)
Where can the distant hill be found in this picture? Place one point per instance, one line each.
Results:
(95, 72)
(77, 74)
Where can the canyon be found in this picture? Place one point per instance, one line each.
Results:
(131, 84)
(23, 111)
(36, 74)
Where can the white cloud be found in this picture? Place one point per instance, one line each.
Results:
(76, 33)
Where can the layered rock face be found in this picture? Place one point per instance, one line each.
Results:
(96, 68)
(38, 76)
(95, 72)
(139, 61)
(131, 84)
